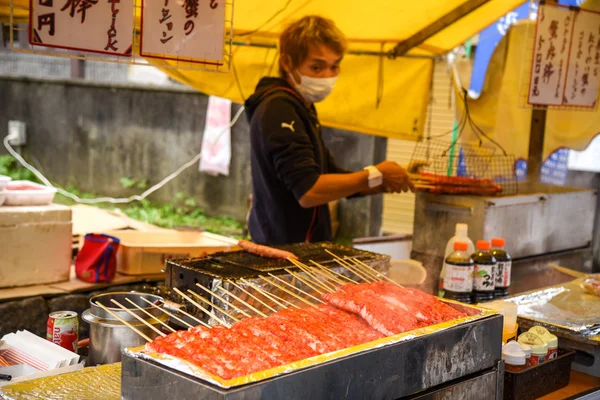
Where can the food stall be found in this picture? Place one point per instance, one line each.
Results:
(323, 320)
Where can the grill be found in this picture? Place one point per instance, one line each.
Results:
(393, 367)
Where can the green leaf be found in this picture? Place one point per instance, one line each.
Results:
(180, 195)
(127, 183)
(143, 184)
(190, 202)
(482, 273)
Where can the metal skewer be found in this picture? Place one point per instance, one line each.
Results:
(243, 302)
(253, 296)
(176, 317)
(196, 295)
(150, 315)
(222, 299)
(123, 321)
(298, 289)
(142, 320)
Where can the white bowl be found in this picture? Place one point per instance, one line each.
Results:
(4, 181)
(407, 272)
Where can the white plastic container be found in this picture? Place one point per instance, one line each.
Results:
(460, 235)
(4, 181)
(26, 193)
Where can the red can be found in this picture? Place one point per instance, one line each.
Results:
(63, 329)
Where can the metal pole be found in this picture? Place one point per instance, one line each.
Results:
(535, 157)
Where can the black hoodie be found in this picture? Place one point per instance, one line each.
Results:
(287, 158)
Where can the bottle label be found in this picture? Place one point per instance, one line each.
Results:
(483, 279)
(458, 278)
(503, 273)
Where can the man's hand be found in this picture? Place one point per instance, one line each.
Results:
(395, 178)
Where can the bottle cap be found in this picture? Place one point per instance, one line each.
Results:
(513, 354)
(527, 349)
(550, 339)
(461, 229)
(498, 242)
(483, 245)
(537, 344)
(461, 246)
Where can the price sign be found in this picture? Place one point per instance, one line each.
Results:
(97, 26)
(190, 30)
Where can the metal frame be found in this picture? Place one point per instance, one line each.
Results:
(389, 372)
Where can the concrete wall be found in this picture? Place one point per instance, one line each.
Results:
(91, 135)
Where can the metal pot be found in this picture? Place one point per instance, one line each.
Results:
(108, 335)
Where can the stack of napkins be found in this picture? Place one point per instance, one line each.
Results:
(24, 347)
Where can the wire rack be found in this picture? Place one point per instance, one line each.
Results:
(158, 60)
(478, 161)
(479, 158)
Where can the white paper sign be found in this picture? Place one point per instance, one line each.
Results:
(172, 29)
(584, 66)
(98, 26)
(550, 55)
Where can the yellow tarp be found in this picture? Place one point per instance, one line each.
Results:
(369, 25)
(501, 114)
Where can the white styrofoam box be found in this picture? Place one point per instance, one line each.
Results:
(4, 181)
(36, 244)
(67, 357)
(26, 193)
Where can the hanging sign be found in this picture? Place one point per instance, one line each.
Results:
(187, 30)
(584, 66)
(97, 26)
(566, 57)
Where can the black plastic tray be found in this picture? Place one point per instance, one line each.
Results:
(540, 380)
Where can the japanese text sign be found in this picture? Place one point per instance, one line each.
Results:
(566, 57)
(97, 26)
(183, 29)
(584, 65)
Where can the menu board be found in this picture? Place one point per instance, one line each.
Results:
(584, 66)
(566, 57)
(190, 30)
(86, 25)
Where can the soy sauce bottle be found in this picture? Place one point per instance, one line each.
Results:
(484, 278)
(458, 274)
(503, 268)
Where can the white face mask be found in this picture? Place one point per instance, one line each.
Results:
(314, 90)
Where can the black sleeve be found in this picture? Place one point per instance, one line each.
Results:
(332, 166)
(289, 147)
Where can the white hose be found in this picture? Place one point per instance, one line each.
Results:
(142, 196)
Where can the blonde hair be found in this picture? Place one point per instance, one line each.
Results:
(295, 40)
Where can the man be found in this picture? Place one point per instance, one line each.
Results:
(293, 174)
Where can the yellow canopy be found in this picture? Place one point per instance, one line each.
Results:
(499, 112)
(401, 85)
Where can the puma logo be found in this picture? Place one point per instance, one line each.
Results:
(290, 126)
